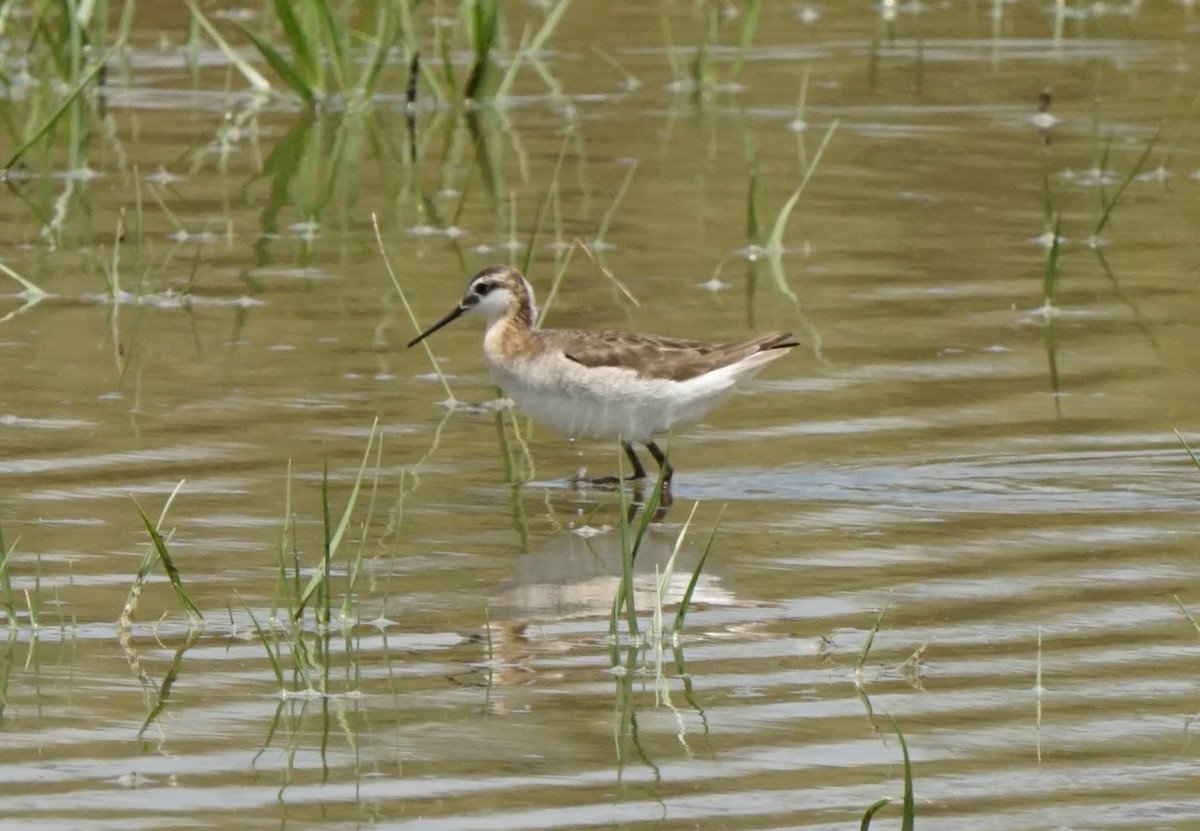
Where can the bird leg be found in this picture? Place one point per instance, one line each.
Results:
(639, 472)
(663, 464)
(665, 499)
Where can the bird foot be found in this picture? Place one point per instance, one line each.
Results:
(605, 481)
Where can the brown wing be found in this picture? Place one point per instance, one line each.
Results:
(673, 359)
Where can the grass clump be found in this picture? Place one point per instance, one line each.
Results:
(629, 658)
(632, 536)
(287, 639)
(319, 62)
(318, 584)
(68, 47)
(312, 47)
(290, 642)
(37, 131)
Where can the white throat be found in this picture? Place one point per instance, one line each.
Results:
(495, 304)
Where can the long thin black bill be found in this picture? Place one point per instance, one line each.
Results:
(450, 318)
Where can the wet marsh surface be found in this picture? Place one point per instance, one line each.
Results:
(990, 479)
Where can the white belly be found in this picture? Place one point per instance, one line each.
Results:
(602, 402)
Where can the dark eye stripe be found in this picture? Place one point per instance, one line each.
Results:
(483, 288)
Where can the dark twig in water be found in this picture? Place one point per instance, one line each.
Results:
(410, 105)
(1043, 120)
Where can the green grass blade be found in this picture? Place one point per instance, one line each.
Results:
(31, 291)
(608, 275)
(6, 590)
(1102, 165)
(669, 569)
(333, 29)
(551, 189)
(510, 74)
(449, 77)
(163, 691)
(698, 70)
(283, 69)
(1050, 340)
(386, 35)
(619, 595)
(387, 265)
(160, 545)
(624, 598)
(609, 214)
(628, 558)
(252, 75)
(272, 658)
(1134, 171)
(686, 601)
(355, 570)
(75, 92)
(125, 618)
(302, 48)
(908, 816)
(862, 656)
(650, 507)
(630, 80)
(908, 811)
(1187, 447)
(749, 27)
(673, 59)
(1050, 271)
(322, 606)
(282, 595)
(775, 241)
(872, 811)
(1138, 318)
(753, 226)
(484, 19)
(799, 122)
(1192, 620)
(334, 539)
(560, 272)
(630, 546)
(775, 265)
(549, 24)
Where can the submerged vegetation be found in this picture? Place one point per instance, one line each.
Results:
(301, 591)
(331, 59)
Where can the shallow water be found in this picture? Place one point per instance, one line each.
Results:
(1003, 485)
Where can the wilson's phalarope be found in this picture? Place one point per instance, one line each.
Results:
(603, 384)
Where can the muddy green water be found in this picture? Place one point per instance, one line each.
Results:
(1007, 485)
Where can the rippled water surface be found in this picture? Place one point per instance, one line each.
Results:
(993, 488)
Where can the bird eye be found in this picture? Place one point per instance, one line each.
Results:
(483, 288)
